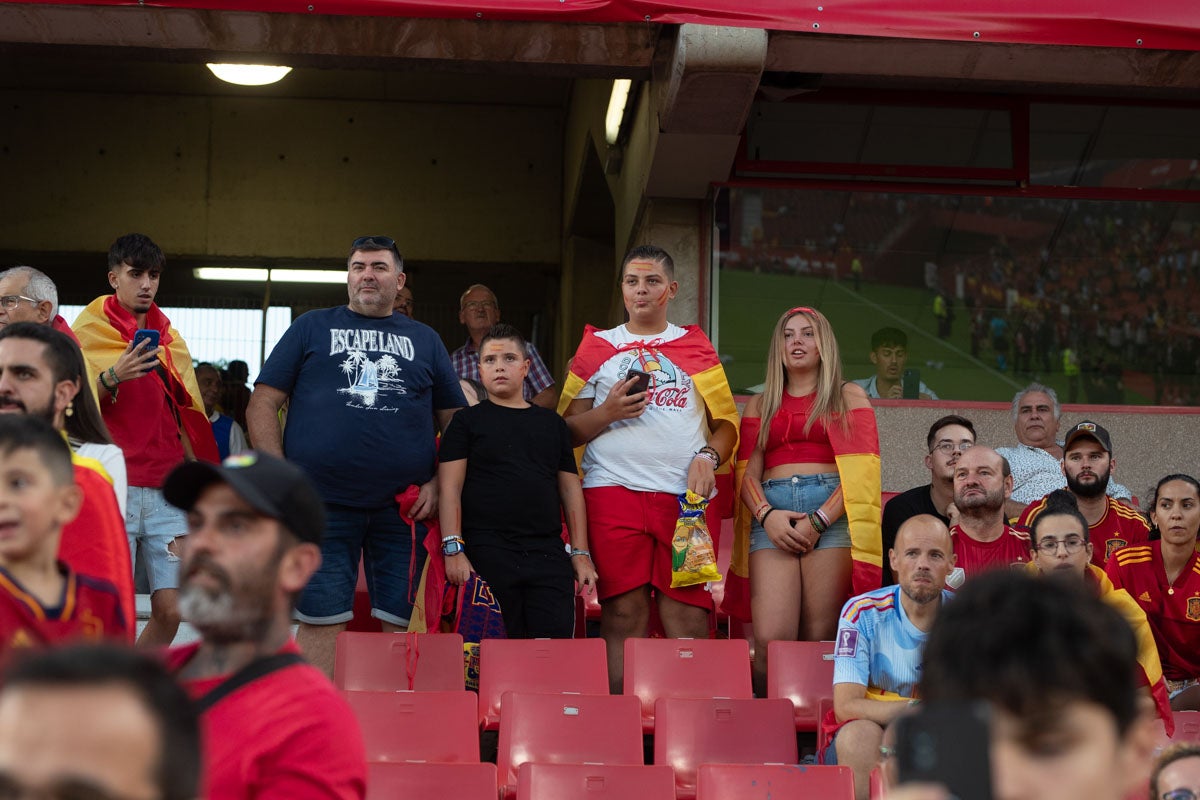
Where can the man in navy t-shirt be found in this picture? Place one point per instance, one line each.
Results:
(364, 388)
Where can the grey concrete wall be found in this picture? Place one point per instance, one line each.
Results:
(1147, 443)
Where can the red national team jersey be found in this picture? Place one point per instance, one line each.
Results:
(89, 609)
(1172, 610)
(1120, 526)
(1011, 549)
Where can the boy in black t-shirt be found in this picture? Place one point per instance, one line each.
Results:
(506, 469)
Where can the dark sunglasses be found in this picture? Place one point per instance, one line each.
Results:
(374, 243)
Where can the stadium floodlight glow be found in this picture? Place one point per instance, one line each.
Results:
(616, 109)
(248, 74)
(254, 275)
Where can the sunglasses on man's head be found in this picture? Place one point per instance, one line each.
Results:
(374, 242)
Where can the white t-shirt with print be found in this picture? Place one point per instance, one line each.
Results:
(653, 452)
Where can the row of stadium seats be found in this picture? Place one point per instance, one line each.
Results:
(441, 727)
(800, 672)
(608, 782)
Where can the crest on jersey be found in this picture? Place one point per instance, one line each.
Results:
(847, 642)
(1193, 609)
(1112, 546)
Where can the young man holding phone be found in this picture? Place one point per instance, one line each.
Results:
(644, 449)
(142, 373)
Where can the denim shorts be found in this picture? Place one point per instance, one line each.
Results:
(155, 523)
(802, 493)
(384, 543)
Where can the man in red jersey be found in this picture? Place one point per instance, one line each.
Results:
(42, 601)
(1088, 465)
(273, 725)
(983, 539)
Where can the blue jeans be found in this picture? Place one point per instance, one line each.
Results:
(802, 493)
(392, 574)
(155, 523)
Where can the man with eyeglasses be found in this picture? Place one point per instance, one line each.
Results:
(1088, 466)
(28, 295)
(1061, 549)
(948, 438)
(479, 311)
(365, 387)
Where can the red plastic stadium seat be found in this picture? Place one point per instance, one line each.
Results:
(537, 665)
(418, 726)
(1187, 726)
(388, 662)
(431, 781)
(876, 790)
(803, 673)
(595, 782)
(696, 668)
(768, 781)
(566, 729)
(689, 733)
(824, 708)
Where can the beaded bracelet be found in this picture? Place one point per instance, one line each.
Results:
(816, 523)
(112, 390)
(707, 456)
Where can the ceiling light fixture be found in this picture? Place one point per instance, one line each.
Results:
(248, 74)
(616, 109)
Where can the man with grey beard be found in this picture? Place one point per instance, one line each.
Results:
(877, 653)
(273, 726)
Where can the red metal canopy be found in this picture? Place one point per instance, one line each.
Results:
(1149, 24)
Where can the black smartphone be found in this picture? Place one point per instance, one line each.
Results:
(641, 385)
(144, 334)
(910, 384)
(948, 745)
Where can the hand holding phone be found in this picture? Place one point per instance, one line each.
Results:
(641, 384)
(910, 382)
(143, 335)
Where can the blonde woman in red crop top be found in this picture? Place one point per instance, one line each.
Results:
(799, 541)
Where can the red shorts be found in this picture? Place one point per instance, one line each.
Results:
(629, 535)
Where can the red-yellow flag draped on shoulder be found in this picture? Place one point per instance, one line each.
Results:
(856, 452)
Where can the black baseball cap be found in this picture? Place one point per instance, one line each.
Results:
(271, 486)
(1091, 430)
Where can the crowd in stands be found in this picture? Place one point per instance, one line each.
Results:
(1096, 290)
(358, 449)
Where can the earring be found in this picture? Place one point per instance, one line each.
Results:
(70, 411)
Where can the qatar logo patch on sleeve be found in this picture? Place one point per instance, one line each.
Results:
(847, 643)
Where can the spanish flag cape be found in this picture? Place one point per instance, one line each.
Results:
(1149, 665)
(94, 543)
(694, 354)
(856, 453)
(1147, 651)
(105, 329)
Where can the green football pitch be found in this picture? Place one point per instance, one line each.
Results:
(749, 305)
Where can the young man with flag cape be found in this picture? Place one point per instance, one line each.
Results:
(647, 442)
(151, 403)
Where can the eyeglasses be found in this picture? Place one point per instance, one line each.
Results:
(10, 301)
(946, 448)
(1179, 794)
(1071, 543)
(482, 305)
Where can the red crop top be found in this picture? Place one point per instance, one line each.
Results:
(786, 440)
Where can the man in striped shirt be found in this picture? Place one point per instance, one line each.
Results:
(880, 637)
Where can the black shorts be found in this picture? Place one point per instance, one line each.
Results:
(535, 587)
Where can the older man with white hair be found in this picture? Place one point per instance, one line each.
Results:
(28, 295)
(1036, 459)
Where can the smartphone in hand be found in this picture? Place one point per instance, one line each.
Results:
(947, 745)
(642, 384)
(144, 334)
(910, 384)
